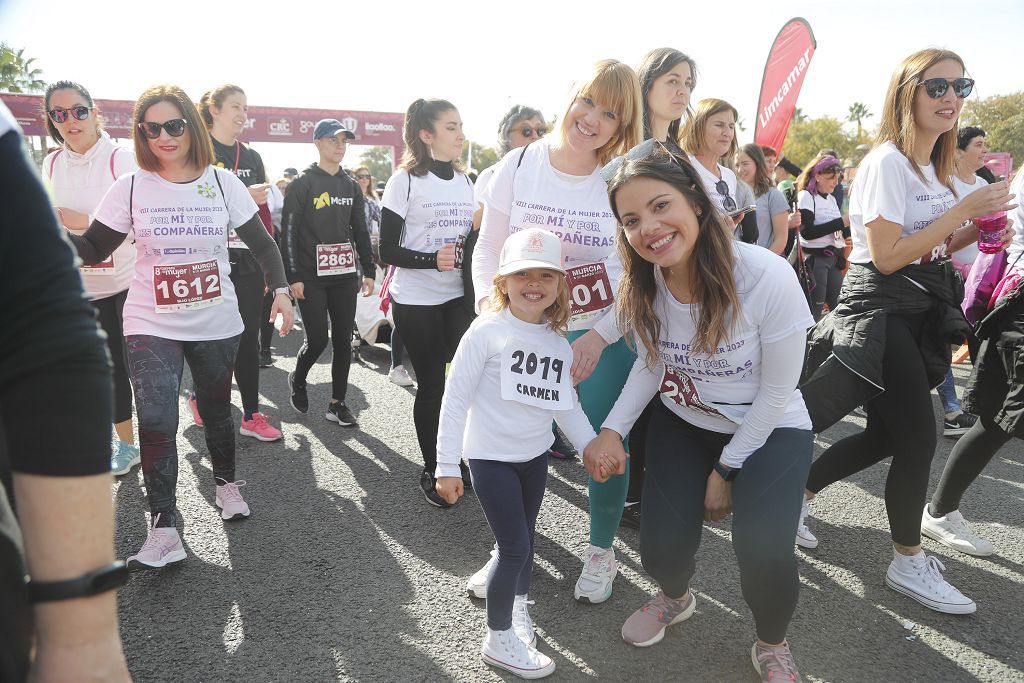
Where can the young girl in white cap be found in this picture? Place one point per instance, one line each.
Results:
(509, 377)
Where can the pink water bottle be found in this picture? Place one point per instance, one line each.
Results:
(990, 232)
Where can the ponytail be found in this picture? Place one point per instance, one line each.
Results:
(421, 115)
(215, 98)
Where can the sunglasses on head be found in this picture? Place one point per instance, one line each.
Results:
(644, 149)
(174, 128)
(937, 87)
(526, 131)
(60, 114)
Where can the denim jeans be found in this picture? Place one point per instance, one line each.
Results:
(947, 392)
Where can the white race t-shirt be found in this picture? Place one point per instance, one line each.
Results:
(824, 209)
(533, 194)
(710, 181)
(715, 392)
(437, 212)
(887, 187)
(1016, 248)
(181, 289)
(481, 183)
(969, 253)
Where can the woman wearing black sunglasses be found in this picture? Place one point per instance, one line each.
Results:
(887, 342)
(823, 230)
(78, 175)
(180, 210)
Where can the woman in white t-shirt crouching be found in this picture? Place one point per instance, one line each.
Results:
(888, 341)
(181, 306)
(823, 230)
(719, 329)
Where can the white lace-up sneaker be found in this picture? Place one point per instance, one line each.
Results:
(477, 584)
(920, 577)
(230, 501)
(162, 547)
(522, 624)
(804, 537)
(599, 569)
(952, 530)
(504, 650)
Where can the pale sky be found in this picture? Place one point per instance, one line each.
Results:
(486, 56)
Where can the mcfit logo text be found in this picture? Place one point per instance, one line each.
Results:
(325, 200)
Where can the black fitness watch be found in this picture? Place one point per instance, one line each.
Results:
(727, 473)
(91, 583)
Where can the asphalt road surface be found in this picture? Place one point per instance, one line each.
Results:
(344, 572)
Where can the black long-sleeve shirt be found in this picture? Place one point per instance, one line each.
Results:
(391, 225)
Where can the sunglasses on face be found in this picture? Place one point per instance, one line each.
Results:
(60, 114)
(830, 171)
(174, 128)
(526, 131)
(363, 176)
(937, 87)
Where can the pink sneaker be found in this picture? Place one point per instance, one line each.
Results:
(230, 501)
(775, 664)
(162, 547)
(259, 428)
(194, 407)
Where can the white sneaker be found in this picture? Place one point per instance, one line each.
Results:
(477, 584)
(505, 651)
(952, 530)
(804, 537)
(522, 624)
(229, 500)
(399, 376)
(162, 547)
(920, 577)
(599, 569)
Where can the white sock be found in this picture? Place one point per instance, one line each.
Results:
(909, 560)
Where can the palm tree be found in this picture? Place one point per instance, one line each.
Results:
(798, 115)
(17, 75)
(858, 112)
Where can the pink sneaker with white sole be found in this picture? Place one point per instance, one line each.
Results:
(229, 500)
(259, 428)
(162, 547)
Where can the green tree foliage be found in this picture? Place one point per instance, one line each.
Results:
(483, 156)
(1002, 118)
(858, 112)
(806, 137)
(378, 160)
(17, 74)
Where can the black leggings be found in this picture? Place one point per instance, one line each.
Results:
(110, 311)
(338, 300)
(828, 280)
(156, 365)
(266, 325)
(900, 425)
(431, 335)
(970, 455)
(397, 348)
(249, 289)
(766, 498)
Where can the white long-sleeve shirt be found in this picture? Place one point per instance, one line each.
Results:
(507, 380)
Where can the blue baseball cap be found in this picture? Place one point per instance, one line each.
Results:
(328, 128)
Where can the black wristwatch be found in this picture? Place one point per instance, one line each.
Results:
(91, 583)
(727, 473)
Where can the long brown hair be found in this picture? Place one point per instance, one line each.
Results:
(710, 265)
(371, 191)
(614, 85)
(421, 115)
(656, 64)
(762, 178)
(556, 315)
(692, 137)
(216, 98)
(898, 126)
(200, 149)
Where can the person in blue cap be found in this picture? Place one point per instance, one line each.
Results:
(323, 234)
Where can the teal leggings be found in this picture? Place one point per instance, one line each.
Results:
(598, 394)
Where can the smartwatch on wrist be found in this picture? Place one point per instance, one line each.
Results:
(287, 291)
(91, 583)
(727, 473)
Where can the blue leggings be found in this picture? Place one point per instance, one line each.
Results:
(510, 494)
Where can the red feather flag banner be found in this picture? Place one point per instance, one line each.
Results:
(784, 74)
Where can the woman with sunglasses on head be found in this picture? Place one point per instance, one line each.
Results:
(179, 210)
(887, 342)
(719, 332)
(426, 214)
(225, 113)
(823, 230)
(78, 175)
(556, 184)
(772, 209)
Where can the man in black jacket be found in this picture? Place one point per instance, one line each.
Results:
(323, 234)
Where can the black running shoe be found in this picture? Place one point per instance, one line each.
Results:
(959, 425)
(467, 480)
(560, 449)
(300, 401)
(339, 412)
(266, 360)
(429, 487)
(631, 515)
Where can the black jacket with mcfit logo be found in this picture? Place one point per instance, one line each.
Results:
(321, 208)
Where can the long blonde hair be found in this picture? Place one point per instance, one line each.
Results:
(898, 125)
(556, 315)
(614, 85)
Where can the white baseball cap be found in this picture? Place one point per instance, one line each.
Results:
(531, 248)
